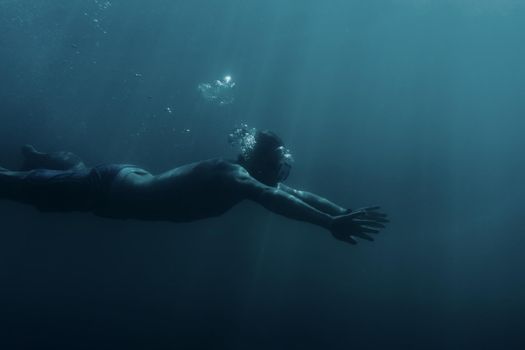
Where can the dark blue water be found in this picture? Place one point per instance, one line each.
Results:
(417, 106)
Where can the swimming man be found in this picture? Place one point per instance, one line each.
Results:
(61, 182)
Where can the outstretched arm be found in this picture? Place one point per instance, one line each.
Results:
(344, 227)
(290, 206)
(315, 201)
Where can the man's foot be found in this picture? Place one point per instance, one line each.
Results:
(7, 178)
(29, 151)
(34, 159)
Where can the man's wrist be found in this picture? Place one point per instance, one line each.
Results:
(327, 221)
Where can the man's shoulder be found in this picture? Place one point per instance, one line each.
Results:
(233, 169)
(212, 164)
(220, 164)
(224, 167)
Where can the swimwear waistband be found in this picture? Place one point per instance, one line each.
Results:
(102, 179)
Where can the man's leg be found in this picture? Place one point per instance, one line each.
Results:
(49, 190)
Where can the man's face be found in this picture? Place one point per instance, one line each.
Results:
(285, 163)
(278, 165)
(270, 169)
(284, 172)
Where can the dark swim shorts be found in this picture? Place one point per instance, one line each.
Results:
(78, 190)
(102, 180)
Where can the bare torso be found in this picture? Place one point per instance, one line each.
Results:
(190, 192)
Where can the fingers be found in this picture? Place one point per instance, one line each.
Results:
(365, 236)
(364, 216)
(350, 240)
(372, 218)
(370, 223)
(374, 214)
(362, 223)
(371, 208)
(370, 211)
(380, 220)
(368, 230)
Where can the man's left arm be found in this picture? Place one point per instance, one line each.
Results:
(315, 201)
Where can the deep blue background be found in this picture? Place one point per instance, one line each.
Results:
(414, 105)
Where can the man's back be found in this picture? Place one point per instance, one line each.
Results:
(189, 192)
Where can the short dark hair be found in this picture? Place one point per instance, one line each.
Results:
(267, 160)
(266, 144)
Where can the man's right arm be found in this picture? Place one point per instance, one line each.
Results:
(316, 201)
(343, 227)
(280, 202)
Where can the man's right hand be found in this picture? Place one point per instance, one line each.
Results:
(359, 223)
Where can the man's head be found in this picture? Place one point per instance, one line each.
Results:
(265, 157)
